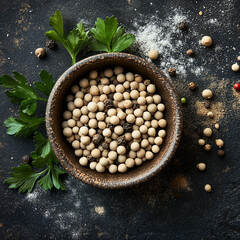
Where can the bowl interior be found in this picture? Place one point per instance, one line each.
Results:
(57, 104)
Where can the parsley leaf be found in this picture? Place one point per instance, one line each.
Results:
(24, 177)
(23, 126)
(47, 83)
(108, 37)
(22, 93)
(73, 42)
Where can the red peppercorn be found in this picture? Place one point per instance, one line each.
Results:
(236, 86)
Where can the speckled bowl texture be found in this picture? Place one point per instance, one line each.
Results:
(64, 151)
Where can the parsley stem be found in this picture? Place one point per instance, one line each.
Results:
(73, 60)
(43, 99)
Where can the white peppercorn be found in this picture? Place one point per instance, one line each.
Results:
(84, 83)
(100, 167)
(113, 168)
(118, 70)
(112, 155)
(149, 155)
(130, 163)
(83, 161)
(122, 168)
(67, 132)
(93, 165)
(138, 161)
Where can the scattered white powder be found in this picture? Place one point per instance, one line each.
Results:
(100, 210)
(47, 214)
(163, 36)
(213, 21)
(32, 197)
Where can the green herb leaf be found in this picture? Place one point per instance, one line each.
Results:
(73, 42)
(28, 106)
(47, 83)
(22, 93)
(44, 156)
(58, 184)
(52, 35)
(123, 42)
(108, 37)
(46, 181)
(24, 126)
(56, 22)
(23, 178)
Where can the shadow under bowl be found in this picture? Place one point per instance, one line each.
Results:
(65, 152)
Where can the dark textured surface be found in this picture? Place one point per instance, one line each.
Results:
(63, 149)
(173, 205)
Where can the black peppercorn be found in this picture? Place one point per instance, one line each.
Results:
(50, 44)
(190, 52)
(110, 96)
(90, 158)
(192, 85)
(220, 153)
(207, 104)
(108, 104)
(110, 126)
(105, 145)
(172, 71)
(121, 141)
(182, 26)
(97, 139)
(26, 159)
(147, 82)
(115, 82)
(127, 127)
(135, 106)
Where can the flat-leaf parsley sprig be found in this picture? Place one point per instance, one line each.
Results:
(73, 42)
(24, 177)
(108, 37)
(22, 93)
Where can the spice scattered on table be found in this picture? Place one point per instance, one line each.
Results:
(201, 142)
(206, 41)
(183, 26)
(235, 67)
(50, 44)
(40, 52)
(153, 54)
(207, 147)
(210, 114)
(201, 166)
(238, 58)
(208, 188)
(207, 94)
(192, 86)
(220, 153)
(207, 132)
(200, 13)
(217, 126)
(207, 103)
(190, 52)
(219, 143)
(236, 86)
(183, 100)
(172, 71)
(26, 159)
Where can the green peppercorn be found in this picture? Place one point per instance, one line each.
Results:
(183, 100)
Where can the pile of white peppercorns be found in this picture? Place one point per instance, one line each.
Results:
(114, 120)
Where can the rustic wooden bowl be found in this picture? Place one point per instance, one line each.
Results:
(64, 151)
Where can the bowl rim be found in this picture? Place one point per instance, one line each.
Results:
(63, 158)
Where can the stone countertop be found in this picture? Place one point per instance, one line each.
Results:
(173, 204)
